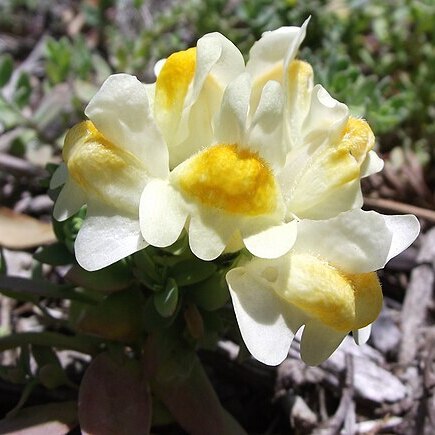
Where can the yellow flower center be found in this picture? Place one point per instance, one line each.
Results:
(231, 178)
(344, 302)
(112, 174)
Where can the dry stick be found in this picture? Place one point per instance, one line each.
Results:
(418, 299)
(18, 166)
(415, 309)
(399, 207)
(333, 425)
(429, 383)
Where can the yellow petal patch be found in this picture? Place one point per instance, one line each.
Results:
(112, 174)
(174, 79)
(358, 139)
(230, 178)
(331, 167)
(274, 73)
(341, 301)
(300, 79)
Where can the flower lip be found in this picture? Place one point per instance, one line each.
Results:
(231, 178)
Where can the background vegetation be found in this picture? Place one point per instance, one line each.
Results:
(377, 56)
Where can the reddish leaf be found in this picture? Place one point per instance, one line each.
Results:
(114, 398)
(51, 419)
(181, 383)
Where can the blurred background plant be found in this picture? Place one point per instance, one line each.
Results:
(376, 56)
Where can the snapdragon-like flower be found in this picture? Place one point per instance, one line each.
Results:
(108, 160)
(327, 151)
(227, 191)
(327, 283)
(251, 152)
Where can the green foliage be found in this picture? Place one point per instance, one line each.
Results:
(6, 69)
(375, 56)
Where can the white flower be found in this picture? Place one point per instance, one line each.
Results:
(108, 161)
(327, 283)
(327, 150)
(188, 93)
(228, 191)
(250, 155)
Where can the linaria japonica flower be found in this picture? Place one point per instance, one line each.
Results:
(327, 283)
(256, 149)
(108, 161)
(239, 156)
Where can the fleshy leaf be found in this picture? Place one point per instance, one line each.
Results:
(187, 392)
(114, 398)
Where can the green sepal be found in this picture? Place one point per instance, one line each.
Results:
(212, 293)
(166, 301)
(191, 271)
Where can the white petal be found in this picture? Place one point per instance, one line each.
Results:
(356, 241)
(273, 47)
(158, 66)
(218, 61)
(161, 213)
(372, 164)
(272, 242)
(259, 315)
(295, 43)
(347, 197)
(218, 56)
(326, 116)
(199, 132)
(319, 342)
(106, 237)
(362, 335)
(404, 230)
(266, 134)
(120, 111)
(59, 176)
(70, 200)
(209, 233)
(231, 121)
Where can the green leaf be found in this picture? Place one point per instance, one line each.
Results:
(3, 265)
(9, 116)
(212, 293)
(191, 271)
(153, 320)
(28, 290)
(166, 301)
(56, 254)
(80, 342)
(118, 317)
(115, 277)
(44, 355)
(23, 90)
(50, 371)
(6, 69)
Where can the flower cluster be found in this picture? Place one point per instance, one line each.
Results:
(244, 157)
